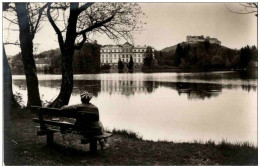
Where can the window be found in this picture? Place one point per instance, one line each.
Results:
(139, 60)
(123, 56)
(106, 55)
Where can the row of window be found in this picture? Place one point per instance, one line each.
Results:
(121, 56)
(124, 50)
(138, 60)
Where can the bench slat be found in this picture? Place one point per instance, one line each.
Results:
(55, 123)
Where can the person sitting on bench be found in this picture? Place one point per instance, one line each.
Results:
(88, 121)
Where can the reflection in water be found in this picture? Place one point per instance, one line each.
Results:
(170, 106)
(130, 87)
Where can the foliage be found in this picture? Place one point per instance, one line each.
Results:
(148, 56)
(178, 55)
(120, 64)
(206, 56)
(87, 59)
(131, 63)
(19, 99)
(105, 67)
(247, 55)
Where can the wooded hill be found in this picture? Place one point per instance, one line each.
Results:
(205, 56)
(85, 60)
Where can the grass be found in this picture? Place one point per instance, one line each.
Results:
(23, 147)
(127, 134)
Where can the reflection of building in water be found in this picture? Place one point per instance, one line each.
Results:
(127, 87)
(42, 63)
(195, 90)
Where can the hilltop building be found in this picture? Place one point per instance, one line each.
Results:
(195, 39)
(110, 54)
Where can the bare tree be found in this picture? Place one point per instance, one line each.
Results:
(116, 20)
(245, 8)
(28, 17)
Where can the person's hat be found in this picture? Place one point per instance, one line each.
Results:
(85, 95)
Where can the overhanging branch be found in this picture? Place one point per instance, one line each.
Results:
(55, 27)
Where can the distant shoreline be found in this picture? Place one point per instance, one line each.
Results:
(174, 70)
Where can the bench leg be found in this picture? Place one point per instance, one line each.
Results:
(93, 146)
(49, 138)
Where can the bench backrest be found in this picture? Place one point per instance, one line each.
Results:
(52, 112)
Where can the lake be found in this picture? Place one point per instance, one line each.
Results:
(179, 107)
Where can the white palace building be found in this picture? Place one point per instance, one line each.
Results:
(110, 54)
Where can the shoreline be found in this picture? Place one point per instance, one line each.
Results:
(23, 146)
(170, 70)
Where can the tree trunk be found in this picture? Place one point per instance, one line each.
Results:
(9, 100)
(67, 53)
(67, 80)
(26, 44)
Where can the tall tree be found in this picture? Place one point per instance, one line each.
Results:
(178, 55)
(131, 63)
(245, 57)
(148, 56)
(113, 19)
(120, 65)
(9, 99)
(28, 20)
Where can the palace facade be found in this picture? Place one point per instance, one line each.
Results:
(110, 54)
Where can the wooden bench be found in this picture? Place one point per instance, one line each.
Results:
(49, 126)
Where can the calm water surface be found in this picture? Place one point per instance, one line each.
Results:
(167, 106)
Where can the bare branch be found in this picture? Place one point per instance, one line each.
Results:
(55, 27)
(98, 24)
(249, 6)
(12, 21)
(39, 17)
(79, 46)
(85, 6)
(10, 43)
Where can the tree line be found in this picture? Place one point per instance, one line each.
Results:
(207, 56)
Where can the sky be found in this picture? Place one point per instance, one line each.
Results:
(168, 24)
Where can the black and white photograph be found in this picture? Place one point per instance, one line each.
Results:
(129, 83)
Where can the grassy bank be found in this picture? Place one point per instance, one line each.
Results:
(22, 146)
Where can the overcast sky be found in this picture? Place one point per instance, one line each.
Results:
(169, 24)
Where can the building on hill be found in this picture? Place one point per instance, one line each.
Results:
(195, 39)
(111, 54)
(42, 64)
